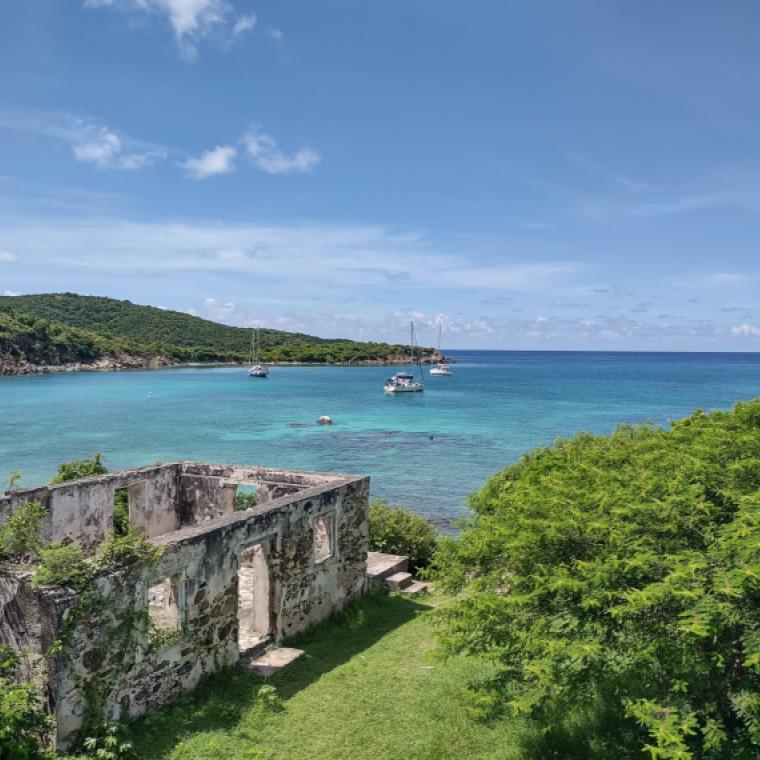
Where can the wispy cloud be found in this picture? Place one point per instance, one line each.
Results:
(684, 205)
(267, 155)
(6, 257)
(275, 33)
(245, 23)
(219, 160)
(92, 142)
(599, 170)
(710, 280)
(310, 255)
(192, 21)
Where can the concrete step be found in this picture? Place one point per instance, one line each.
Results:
(415, 587)
(272, 660)
(398, 581)
(380, 566)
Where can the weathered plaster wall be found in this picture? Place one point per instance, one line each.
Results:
(203, 498)
(82, 510)
(141, 674)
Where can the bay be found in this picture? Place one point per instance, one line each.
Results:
(425, 450)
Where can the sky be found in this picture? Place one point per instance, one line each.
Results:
(537, 175)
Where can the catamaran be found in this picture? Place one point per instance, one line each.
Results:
(404, 382)
(256, 369)
(442, 368)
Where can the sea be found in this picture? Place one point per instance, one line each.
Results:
(428, 451)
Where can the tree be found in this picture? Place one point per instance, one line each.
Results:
(626, 566)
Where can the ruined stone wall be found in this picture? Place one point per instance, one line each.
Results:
(82, 510)
(116, 664)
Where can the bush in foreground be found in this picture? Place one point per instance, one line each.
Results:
(624, 568)
(397, 530)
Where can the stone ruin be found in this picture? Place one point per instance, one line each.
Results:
(226, 585)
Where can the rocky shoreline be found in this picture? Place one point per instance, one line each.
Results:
(11, 368)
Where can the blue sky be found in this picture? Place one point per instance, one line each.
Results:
(540, 174)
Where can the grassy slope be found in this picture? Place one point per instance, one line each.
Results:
(369, 686)
(184, 336)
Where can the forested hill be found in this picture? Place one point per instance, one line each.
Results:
(65, 327)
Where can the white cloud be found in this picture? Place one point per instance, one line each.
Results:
(91, 141)
(191, 20)
(105, 150)
(6, 257)
(245, 23)
(268, 157)
(275, 33)
(219, 312)
(11, 293)
(745, 331)
(219, 160)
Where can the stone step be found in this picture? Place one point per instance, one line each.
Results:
(398, 581)
(272, 660)
(380, 566)
(415, 587)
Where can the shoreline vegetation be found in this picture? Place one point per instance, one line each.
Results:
(66, 332)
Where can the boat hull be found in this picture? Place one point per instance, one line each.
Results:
(415, 388)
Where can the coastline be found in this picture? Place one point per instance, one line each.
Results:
(126, 362)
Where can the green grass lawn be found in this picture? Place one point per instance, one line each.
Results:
(369, 686)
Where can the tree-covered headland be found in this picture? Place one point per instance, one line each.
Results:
(64, 328)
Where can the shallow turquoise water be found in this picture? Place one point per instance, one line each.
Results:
(426, 450)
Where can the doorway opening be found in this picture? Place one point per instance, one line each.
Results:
(254, 603)
(120, 523)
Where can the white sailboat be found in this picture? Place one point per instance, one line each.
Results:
(256, 369)
(404, 382)
(442, 368)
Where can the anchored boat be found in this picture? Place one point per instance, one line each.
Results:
(404, 382)
(256, 369)
(442, 368)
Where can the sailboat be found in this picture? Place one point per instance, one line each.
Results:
(256, 369)
(442, 368)
(404, 382)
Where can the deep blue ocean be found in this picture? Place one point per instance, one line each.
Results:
(426, 450)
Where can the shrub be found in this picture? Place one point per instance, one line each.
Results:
(125, 550)
(13, 480)
(626, 565)
(80, 468)
(24, 726)
(108, 744)
(244, 500)
(397, 530)
(21, 533)
(63, 565)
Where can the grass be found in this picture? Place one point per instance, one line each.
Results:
(369, 686)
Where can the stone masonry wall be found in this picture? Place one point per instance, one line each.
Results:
(114, 664)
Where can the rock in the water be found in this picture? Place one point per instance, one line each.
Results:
(324, 420)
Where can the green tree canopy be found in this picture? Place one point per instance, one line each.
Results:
(626, 565)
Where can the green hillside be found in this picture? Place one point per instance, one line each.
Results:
(63, 327)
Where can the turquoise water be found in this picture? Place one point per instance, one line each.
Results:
(428, 450)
